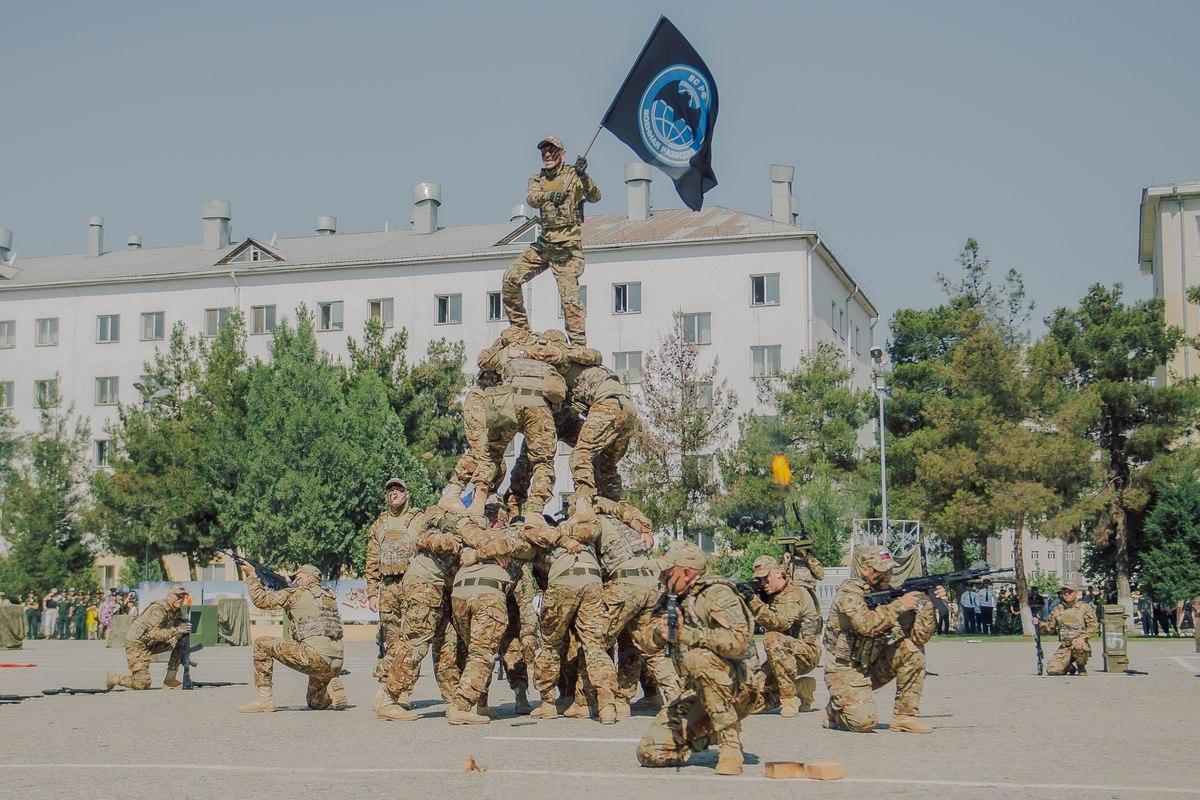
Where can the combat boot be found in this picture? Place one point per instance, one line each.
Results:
(623, 709)
(112, 679)
(547, 709)
(806, 689)
(394, 712)
(264, 704)
(904, 723)
(789, 707)
(457, 716)
(729, 753)
(578, 710)
(482, 708)
(522, 706)
(649, 702)
(1081, 670)
(380, 699)
(171, 682)
(608, 714)
(337, 695)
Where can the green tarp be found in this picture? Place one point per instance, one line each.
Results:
(118, 630)
(12, 627)
(233, 621)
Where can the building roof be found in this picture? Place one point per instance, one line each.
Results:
(1148, 223)
(489, 240)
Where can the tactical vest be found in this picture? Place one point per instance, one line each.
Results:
(325, 621)
(395, 546)
(618, 543)
(1072, 621)
(702, 584)
(141, 625)
(568, 213)
(845, 644)
(533, 380)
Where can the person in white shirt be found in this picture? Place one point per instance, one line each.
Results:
(985, 603)
(967, 601)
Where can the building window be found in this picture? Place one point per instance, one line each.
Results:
(7, 389)
(449, 309)
(627, 298)
(764, 361)
(106, 391)
(214, 320)
(697, 328)
(108, 328)
(8, 333)
(154, 325)
(262, 319)
(47, 332)
(628, 365)
(582, 301)
(495, 308)
(381, 310)
(46, 392)
(1051, 555)
(330, 316)
(841, 324)
(213, 572)
(857, 340)
(1034, 555)
(102, 452)
(764, 289)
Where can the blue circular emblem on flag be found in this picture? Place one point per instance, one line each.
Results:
(673, 114)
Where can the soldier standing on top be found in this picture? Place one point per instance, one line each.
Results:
(156, 630)
(1075, 623)
(558, 192)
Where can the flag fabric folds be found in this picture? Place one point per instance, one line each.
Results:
(666, 111)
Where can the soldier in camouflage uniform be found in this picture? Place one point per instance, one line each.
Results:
(558, 192)
(425, 621)
(523, 404)
(789, 616)
(713, 651)
(475, 405)
(1075, 623)
(566, 424)
(315, 648)
(573, 602)
(158, 629)
(866, 648)
(389, 547)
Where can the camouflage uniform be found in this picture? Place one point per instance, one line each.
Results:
(560, 247)
(425, 620)
(315, 648)
(792, 642)
(518, 646)
(154, 631)
(1071, 621)
(610, 420)
(522, 404)
(866, 648)
(715, 659)
(475, 423)
(566, 424)
(389, 548)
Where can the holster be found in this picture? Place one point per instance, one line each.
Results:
(551, 252)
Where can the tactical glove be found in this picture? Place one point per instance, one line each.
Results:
(581, 165)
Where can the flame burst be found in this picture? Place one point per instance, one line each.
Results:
(781, 470)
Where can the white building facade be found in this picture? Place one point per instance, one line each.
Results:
(1051, 556)
(1169, 254)
(756, 292)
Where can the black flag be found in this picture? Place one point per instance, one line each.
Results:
(667, 112)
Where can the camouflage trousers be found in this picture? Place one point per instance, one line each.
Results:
(630, 608)
(518, 646)
(139, 654)
(424, 624)
(788, 659)
(475, 424)
(529, 265)
(567, 425)
(324, 686)
(1065, 656)
(391, 611)
(578, 609)
(480, 621)
(602, 443)
(717, 696)
(851, 702)
(536, 424)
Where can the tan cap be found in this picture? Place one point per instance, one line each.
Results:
(763, 565)
(551, 140)
(395, 482)
(1068, 587)
(308, 569)
(683, 554)
(177, 589)
(877, 558)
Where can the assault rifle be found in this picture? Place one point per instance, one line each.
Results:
(72, 691)
(13, 699)
(748, 589)
(379, 643)
(1035, 613)
(672, 623)
(186, 658)
(928, 583)
(269, 578)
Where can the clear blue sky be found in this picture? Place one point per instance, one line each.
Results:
(1032, 126)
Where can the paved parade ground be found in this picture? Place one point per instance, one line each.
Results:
(1001, 732)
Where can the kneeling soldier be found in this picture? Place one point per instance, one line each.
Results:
(1075, 623)
(156, 630)
(792, 623)
(315, 648)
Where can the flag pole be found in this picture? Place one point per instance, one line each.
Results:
(595, 136)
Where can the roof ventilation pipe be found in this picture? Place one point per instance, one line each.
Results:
(326, 226)
(135, 242)
(95, 240)
(426, 199)
(217, 216)
(781, 193)
(637, 182)
(520, 213)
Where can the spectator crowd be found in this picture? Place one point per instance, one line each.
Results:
(68, 614)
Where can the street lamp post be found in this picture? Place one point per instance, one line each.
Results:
(881, 391)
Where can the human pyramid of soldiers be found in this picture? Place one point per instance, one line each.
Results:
(555, 597)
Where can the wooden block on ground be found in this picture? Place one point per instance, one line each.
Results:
(825, 770)
(784, 769)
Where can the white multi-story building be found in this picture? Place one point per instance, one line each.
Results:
(756, 292)
(1052, 556)
(1169, 254)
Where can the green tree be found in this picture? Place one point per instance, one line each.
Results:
(1170, 563)
(1115, 350)
(41, 516)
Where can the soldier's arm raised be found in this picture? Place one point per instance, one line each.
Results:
(867, 621)
(780, 616)
(371, 569)
(591, 191)
(814, 566)
(924, 624)
(264, 598)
